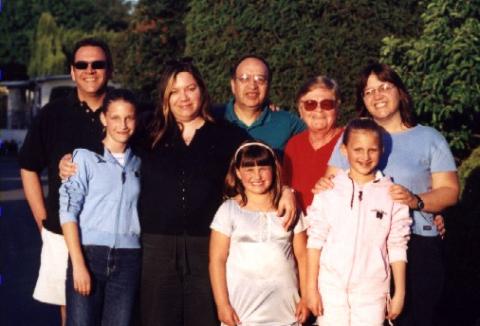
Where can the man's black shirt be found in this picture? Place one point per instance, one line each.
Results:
(61, 126)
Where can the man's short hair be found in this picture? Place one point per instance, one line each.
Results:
(233, 70)
(93, 42)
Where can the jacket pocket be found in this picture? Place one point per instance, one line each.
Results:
(376, 265)
(336, 258)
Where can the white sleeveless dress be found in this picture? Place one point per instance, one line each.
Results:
(261, 270)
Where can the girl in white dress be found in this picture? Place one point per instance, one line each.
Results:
(252, 265)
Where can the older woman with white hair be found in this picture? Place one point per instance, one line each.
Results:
(307, 153)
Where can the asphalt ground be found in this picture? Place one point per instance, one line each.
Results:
(20, 246)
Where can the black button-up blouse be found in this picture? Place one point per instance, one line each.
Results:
(182, 186)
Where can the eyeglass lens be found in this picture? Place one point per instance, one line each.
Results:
(260, 79)
(326, 105)
(382, 89)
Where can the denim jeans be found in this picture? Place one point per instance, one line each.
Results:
(115, 280)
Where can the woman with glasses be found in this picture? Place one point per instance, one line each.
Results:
(307, 153)
(419, 160)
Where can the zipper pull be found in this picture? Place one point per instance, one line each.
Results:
(123, 177)
(360, 194)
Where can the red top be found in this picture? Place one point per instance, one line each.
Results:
(304, 166)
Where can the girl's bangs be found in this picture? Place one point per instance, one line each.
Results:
(255, 156)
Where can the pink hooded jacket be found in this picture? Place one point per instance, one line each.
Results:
(360, 231)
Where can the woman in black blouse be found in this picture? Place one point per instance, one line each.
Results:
(181, 188)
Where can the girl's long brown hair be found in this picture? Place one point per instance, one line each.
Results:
(253, 155)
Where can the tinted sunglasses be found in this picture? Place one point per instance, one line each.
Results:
(326, 105)
(82, 65)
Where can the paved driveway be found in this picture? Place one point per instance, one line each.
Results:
(19, 255)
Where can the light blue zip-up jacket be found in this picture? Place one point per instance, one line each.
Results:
(102, 197)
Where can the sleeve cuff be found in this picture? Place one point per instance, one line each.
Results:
(219, 228)
(397, 255)
(66, 217)
(314, 243)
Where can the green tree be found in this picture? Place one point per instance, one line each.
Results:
(156, 35)
(441, 68)
(298, 38)
(89, 15)
(18, 21)
(470, 166)
(47, 55)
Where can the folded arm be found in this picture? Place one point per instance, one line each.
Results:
(444, 193)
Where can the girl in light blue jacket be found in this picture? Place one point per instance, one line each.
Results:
(98, 213)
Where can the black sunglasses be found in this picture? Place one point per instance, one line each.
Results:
(82, 65)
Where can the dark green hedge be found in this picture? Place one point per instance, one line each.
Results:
(299, 39)
(156, 34)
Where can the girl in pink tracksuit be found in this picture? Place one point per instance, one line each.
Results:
(356, 234)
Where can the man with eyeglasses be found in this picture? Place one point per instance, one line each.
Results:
(250, 79)
(61, 126)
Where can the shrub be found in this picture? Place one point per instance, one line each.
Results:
(298, 38)
(442, 70)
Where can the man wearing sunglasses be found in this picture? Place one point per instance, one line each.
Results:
(61, 126)
(250, 79)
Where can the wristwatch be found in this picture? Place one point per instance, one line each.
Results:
(420, 203)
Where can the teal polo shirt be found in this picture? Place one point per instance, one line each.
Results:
(272, 127)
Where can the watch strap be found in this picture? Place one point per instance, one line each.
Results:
(420, 203)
